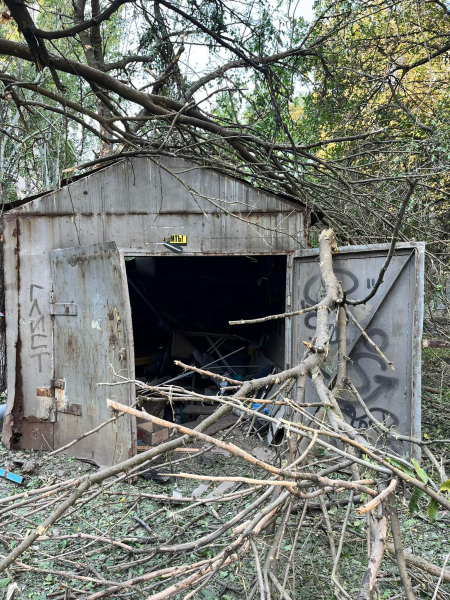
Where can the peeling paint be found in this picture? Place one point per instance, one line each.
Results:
(96, 325)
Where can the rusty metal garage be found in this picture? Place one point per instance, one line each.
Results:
(69, 318)
(114, 274)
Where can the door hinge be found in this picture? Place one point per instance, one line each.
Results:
(59, 384)
(52, 399)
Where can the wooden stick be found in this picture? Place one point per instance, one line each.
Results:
(288, 484)
(207, 373)
(399, 552)
(370, 577)
(376, 501)
(142, 448)
(322, 481)
(371, 342)
(271, 317)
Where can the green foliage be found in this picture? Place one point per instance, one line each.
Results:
(420, 472)
(432, 510)
(414, 500)
(445, 487)
(400, 466)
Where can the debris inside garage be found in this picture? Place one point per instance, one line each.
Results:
(181, 308)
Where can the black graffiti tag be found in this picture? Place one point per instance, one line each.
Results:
(37, 327)
(372, 381)
(363, 422)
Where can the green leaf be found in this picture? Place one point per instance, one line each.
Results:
(414, 500)
(433, 510)
(401, 466)
(420, 472)
(445, 487)
(4, 582)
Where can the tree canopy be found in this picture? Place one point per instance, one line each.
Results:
(340, 113)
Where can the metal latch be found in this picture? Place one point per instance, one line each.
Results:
(69, 408)
(69, 309)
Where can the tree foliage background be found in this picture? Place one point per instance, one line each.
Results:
(348, 114)
(339, 112)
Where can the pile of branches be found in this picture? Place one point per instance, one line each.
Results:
(268, 509)
(376, 116)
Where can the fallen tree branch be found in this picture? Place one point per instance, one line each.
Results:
(362, 510)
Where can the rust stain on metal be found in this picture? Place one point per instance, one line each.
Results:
(435, 344)
(33, 419)
(13, 421)
(69, 408)
(59, 384)
(46, 392)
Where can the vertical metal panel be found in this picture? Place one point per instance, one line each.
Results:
(14, 407)
(129, 338)
(417, 346)
(392, 319)
(168, 186)
(88, 345)
(288, 308)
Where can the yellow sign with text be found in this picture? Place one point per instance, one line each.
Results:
(181, 240)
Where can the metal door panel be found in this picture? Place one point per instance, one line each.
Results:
(392, 318)
(92, 337)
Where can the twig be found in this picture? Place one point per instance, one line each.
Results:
(362, 510)
(398, 544)
(144, 525)
(341, 540)
(371, 342)
(207, 373)
(262, 593)
(248, 480)
(236, 451)
(441, 576)
(279, 587)
(379, 281)
(272, 317)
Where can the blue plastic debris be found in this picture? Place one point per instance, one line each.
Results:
(11, 476)
(256, 405)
